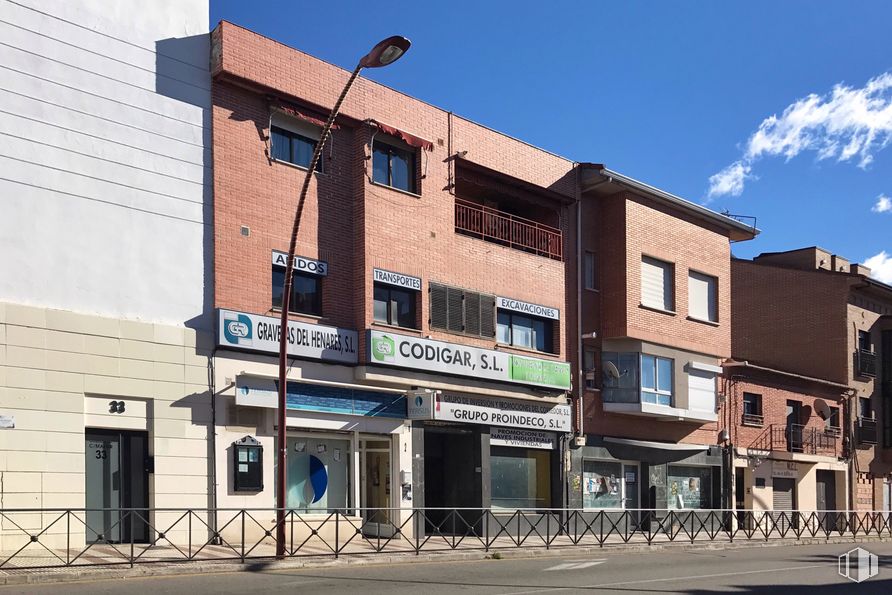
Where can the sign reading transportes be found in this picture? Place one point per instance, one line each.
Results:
(527, 308)
(398, 279)
(403, 351)
(302, 264)
(521, 438)
(261, 333)
(494, 411)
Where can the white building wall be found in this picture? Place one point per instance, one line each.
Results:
(104, 157)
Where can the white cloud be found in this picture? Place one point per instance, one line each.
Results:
(880, 267)
(847, 124)
(884, 204)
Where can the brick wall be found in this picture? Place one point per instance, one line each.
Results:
(352, 223)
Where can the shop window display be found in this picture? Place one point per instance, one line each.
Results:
(318, 473)
(690, 488)
(602, 484)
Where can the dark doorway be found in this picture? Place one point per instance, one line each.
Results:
(794, 426)
(117, 478)
(825, 488)
(740, 497)
(451, 480)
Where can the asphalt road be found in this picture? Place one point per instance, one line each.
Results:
(792, 570)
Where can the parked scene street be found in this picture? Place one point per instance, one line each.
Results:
(800, 570)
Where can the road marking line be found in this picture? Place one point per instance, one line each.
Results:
(664, 580)
(577, 564)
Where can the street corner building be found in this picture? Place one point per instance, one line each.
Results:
(429, 319)
(654, 293)
(106, 328)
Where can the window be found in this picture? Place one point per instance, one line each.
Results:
(293, 147)
(520, 330)
(590, 272)
(602, 484)
(865, 409)
(459, 311)
(702, 297)
(752, 409)
(656, 284)
(690, 487)
(619, 377)
(864, 342)
(832, 421)
(310, 458)
(393, 166)
(656, 380)
(520, 477)
(588, 366)
(394, 305)
(306, 292)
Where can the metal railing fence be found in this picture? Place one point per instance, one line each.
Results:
(46, 538)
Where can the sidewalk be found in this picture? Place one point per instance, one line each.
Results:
(105, 562)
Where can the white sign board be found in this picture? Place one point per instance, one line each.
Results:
(521, 438)
(398, 279)
(404, 351)
(251, 332)
(527, 308)
(494, 411)
(785, 469)
(302, 264)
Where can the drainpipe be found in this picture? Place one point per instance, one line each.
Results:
(580, 416)
(212, 470)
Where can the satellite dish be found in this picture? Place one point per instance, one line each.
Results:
(822, 409)
(611, 370)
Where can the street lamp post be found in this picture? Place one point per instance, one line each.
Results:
(384, 53)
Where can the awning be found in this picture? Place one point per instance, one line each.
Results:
(300, 113)
(658, 445)
(409, 139)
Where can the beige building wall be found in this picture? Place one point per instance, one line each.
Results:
(58, 373)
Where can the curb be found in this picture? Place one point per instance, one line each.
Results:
(161, 569)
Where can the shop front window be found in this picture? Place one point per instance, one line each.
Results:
(318, 473)
(690, 487)
(602, 484)
(521, 477)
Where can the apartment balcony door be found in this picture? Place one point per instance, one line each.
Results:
(117, 477)
(794, 426)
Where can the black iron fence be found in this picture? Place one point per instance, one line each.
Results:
(42, 538)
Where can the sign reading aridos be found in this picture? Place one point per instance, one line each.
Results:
(261, 333)
(438, 356)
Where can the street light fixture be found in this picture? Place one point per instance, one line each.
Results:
(384, 53)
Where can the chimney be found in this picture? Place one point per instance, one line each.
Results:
(859, 269)
(839, 264)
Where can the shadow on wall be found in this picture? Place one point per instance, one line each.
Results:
(182, 74)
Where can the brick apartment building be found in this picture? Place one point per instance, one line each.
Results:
(811, 313)
(656, 325)
(432, 259)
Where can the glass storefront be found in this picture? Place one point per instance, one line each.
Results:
(690, 487)
(318, 473)
(520, 477)
(602, 484)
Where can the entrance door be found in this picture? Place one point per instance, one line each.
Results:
(784, 501)
(794, 427)
(631, 485)
(117, 486)
(375, 482)
(740, 497)
(451, 479)
(825, 488)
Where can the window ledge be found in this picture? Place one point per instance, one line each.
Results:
(295, 166)
(660, 310)
(415, 331)
(752, 425)
(394, 188)
(703, 321)
(593, 289)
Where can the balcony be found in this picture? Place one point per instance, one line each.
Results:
(866, 432)
(866, 363)
(798, 439)
(499, 227)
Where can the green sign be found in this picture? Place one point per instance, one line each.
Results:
(537, 371)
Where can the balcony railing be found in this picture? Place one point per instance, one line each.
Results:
(753, 419)
(866, 363)
(798, 439)
(503, 228)
(867, 431)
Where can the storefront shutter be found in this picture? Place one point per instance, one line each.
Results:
(783, 493)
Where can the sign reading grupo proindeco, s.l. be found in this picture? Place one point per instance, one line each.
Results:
(251, 332)
(493, 411)
(439, 356)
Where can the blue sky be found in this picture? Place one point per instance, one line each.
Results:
(670, 93)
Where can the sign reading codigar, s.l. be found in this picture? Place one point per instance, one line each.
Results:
(404, 351)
